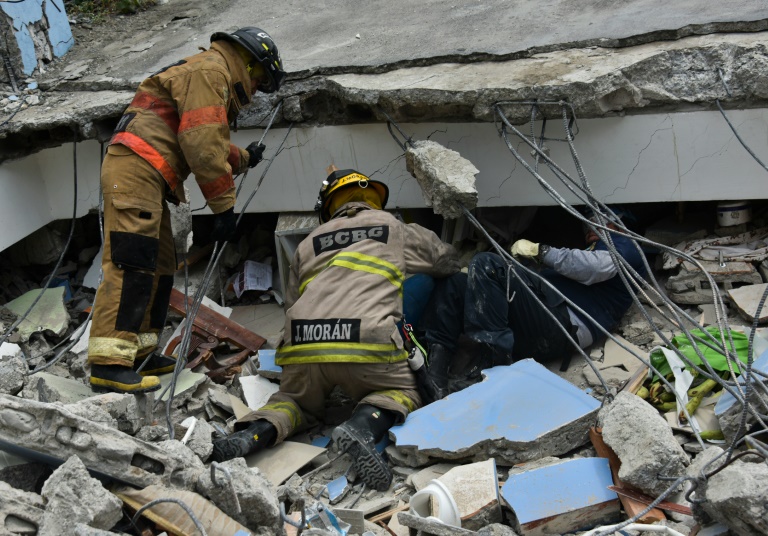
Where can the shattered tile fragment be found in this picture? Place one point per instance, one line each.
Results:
(518, 413)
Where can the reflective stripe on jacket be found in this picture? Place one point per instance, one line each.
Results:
(345, 292)
(179, 119)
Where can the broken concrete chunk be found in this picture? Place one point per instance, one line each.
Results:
(746, 299)
(72, 496)
(21, 512)
(644, 443)
(736, 496)
(691, 286)
(518, 413)
(200, 439)
(122, 408)
(420, 480)
(563, 497)
(51, 433)
(84, 530)
(253, 496)
(447, 180)
(475, 488)
(48, 314)
(46, 387)
(187, 383)
(13, 369)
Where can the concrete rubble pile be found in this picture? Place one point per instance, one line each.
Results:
(526, 451)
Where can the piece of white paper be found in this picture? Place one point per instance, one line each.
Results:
(254, 276)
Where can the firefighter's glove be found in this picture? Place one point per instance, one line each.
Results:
(224, 226)
(255, 153)
(525, 248)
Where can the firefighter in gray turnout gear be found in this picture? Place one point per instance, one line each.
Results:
(343, 303)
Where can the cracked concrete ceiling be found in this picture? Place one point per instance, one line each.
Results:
(431, 61)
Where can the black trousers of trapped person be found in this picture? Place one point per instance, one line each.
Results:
(493, 307)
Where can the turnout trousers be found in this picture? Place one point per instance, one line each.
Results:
(304, 389)
(138, 261)
(500, 311)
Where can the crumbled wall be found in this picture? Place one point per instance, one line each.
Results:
(32, 34)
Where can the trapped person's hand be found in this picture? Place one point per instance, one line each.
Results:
(224, 226)
(255, 153)
(525, 248)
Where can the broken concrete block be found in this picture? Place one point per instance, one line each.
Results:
(72, 496)
(728, 409)
(13, 369)
(123, 408)
(736, 495)
(93, 414)
(564, 497)
(518, 413)
(644, 443)
(52, 434)
(21, 512)
(425, 476)
(746, 299)
(496, 529)
(475, 488)
(255, 495)
(447, 180)
(46, 387)
(84, 530)
(691, 286)
(49, 313)
(430, 526)
(200, 440)
(171, 517)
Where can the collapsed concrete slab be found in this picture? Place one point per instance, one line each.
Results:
(563, 497)
(46, 387)
(518, 413)
(52, 434)
(250, 499)
(21, 512)
(72, 496)
(691, 286)
(644, 443)
(447, 180)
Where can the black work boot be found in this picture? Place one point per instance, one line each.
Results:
(358, 437)
(156, 364)
(436, 385)
(257, 436)
(120, 379)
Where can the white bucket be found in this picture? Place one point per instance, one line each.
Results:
(733, 213)
(436, 497)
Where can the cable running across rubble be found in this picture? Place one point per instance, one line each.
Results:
(649, 289)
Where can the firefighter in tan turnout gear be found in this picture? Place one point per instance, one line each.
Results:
(177, 124)
(344, 299)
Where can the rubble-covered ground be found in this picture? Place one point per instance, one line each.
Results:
(82, 463)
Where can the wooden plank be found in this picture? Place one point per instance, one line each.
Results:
(218, 325)
(384, 516)
(636, 380)
(631, 506)
(647, 499)
(195, 256)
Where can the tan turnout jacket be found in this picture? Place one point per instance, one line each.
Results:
(345, 292)
(179, 122)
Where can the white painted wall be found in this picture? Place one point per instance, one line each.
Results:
(648, 158)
